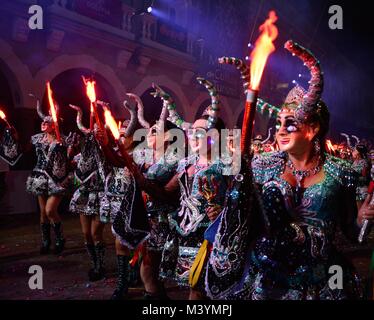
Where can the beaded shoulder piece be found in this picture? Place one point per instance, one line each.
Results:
(185, 162)
(267, 166)
(36, 138)
(341, 171)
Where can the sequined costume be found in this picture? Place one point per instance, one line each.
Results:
(90, 176)
(121, 202)
(190, 221)
(10, 150)
(362, 167)
(294, 256)
(160, 172)
(292, 261)
(50, 175)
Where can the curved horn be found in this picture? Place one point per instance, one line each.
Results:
(168, 101)
(263, 106)
(241, 66)
(357, 140)
(309, 102)
(268, 137)
(131, 126)
(348, 140)
(80, 125)
(214, 109)
(246, 77)
(144, 123)
(164, 113)
(39, 109)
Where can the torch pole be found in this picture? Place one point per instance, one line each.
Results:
(92, 117)
(7, 123)
(97, 119)
(248, 121)
(57, 130)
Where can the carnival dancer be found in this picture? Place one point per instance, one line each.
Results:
(121, 201)
(361, 165)
(305, 194)
(258, 144)
(49, 179)
(90, 174)
(201, 185)
(10, 149)
(161, 169)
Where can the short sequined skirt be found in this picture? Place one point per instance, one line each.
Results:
(159, 231)
(308, 282)
(39, 184)
(361, 193)
(111, 209)
(178, 256)
(85, 202)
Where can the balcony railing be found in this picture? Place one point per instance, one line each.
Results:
(144, 28)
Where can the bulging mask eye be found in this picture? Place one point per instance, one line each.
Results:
(292, 128)
(291, 125)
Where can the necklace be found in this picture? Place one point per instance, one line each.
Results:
(300, 175)
(198, 167)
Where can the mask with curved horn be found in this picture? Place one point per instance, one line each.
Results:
(268, 137)
(348, 140)
(79, 122)
(39, 110)
(309, 102)
(168, 101)
(263, 106)
(213, 109)
(132, 124)
(241, 66)
(357, 140)
(144, 123)
(245, 73)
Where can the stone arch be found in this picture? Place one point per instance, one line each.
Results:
(164, 81)
(18, 72)
(66, 62)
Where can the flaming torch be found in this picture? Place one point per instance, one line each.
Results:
(91, 94)
(114, 128)
(3, 117)
(111, 123)
(53, 111)
(263, 48)
(330, 147)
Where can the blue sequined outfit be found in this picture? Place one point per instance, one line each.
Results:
(294, 261)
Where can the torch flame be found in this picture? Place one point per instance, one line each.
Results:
(330, 146)
(2, 115)
(51, 103)
(119, 124)
(111, 123)
(263, 48)
(90, 89)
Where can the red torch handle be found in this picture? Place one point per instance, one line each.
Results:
(57, 130)
(97, 119)
(248, 121)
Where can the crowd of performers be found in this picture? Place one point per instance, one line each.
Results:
(265, 232)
